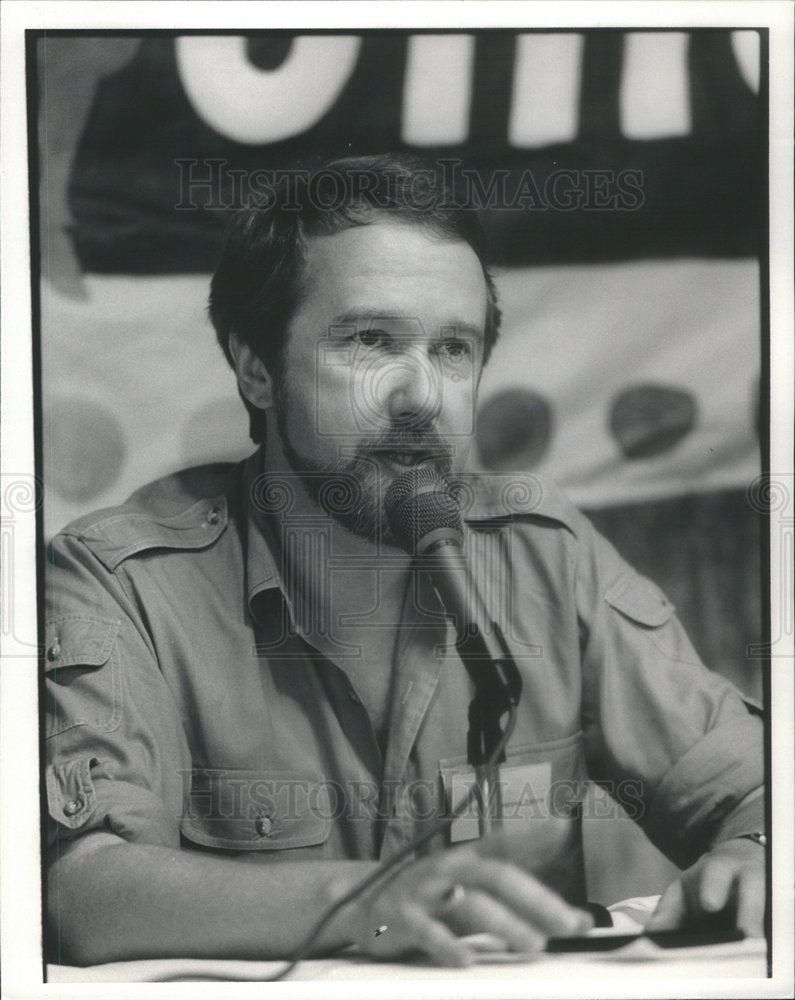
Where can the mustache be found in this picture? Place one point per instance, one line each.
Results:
(414, 439)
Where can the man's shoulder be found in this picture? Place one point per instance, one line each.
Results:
(515, 496)
(188, 509)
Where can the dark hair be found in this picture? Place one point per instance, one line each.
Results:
(257, 287)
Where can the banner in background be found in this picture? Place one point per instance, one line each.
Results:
(619, 174)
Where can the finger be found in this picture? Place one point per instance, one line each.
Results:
(751, 905)
(435, 940)
(715, 885)
(537, 905)
(670, 911)
(479, 913)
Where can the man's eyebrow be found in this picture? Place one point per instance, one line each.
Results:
(371, 316)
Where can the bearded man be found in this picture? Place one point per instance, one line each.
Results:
(254, 696)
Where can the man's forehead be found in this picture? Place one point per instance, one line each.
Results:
(397, 244)
(395, 275)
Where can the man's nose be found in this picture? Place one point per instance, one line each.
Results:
(412, 385)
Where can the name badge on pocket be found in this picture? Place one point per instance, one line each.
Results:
(524, 787)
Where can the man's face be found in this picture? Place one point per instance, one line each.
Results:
(382, 361)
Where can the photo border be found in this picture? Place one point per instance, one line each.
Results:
(19, 778)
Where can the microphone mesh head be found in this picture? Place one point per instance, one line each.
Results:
(417, 503)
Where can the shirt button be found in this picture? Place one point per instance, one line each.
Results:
(263, 825)
(354, 697)
(214, 516)
(54, 651)
(72, 807)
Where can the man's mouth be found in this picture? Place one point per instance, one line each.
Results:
(408, 459)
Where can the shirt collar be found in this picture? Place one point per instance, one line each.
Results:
(263, 577)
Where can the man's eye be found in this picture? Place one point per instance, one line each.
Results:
(455, 349)
(370, 338)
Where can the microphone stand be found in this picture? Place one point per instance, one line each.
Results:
(492, 669)
(497, 688)
(482, 732)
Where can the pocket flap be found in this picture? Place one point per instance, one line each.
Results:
(639, 599)
(256, 810)
(78, 639)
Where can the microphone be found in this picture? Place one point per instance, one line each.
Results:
(426, 521)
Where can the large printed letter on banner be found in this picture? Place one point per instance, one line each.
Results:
(255, 106)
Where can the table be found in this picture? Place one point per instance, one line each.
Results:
(740, 960)
(737, 960)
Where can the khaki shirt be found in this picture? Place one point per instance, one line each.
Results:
(185, 709)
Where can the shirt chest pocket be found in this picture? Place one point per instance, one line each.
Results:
(248, 810)
(542, 782)
(83, 683)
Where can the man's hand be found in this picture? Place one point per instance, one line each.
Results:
(729, 880)
(464, 890)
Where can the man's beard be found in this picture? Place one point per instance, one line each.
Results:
(352, 489)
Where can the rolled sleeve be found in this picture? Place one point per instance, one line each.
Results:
(654, 715)
(115, 747)
(710, 794)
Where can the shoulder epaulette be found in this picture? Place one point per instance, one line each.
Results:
(487, 496)
(188, 510)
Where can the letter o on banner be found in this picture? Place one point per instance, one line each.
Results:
(257, 106)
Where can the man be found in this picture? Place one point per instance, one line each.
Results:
(253, 694)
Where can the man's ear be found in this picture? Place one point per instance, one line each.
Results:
(253, 378)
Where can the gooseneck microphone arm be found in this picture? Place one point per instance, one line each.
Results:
(426, 521)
